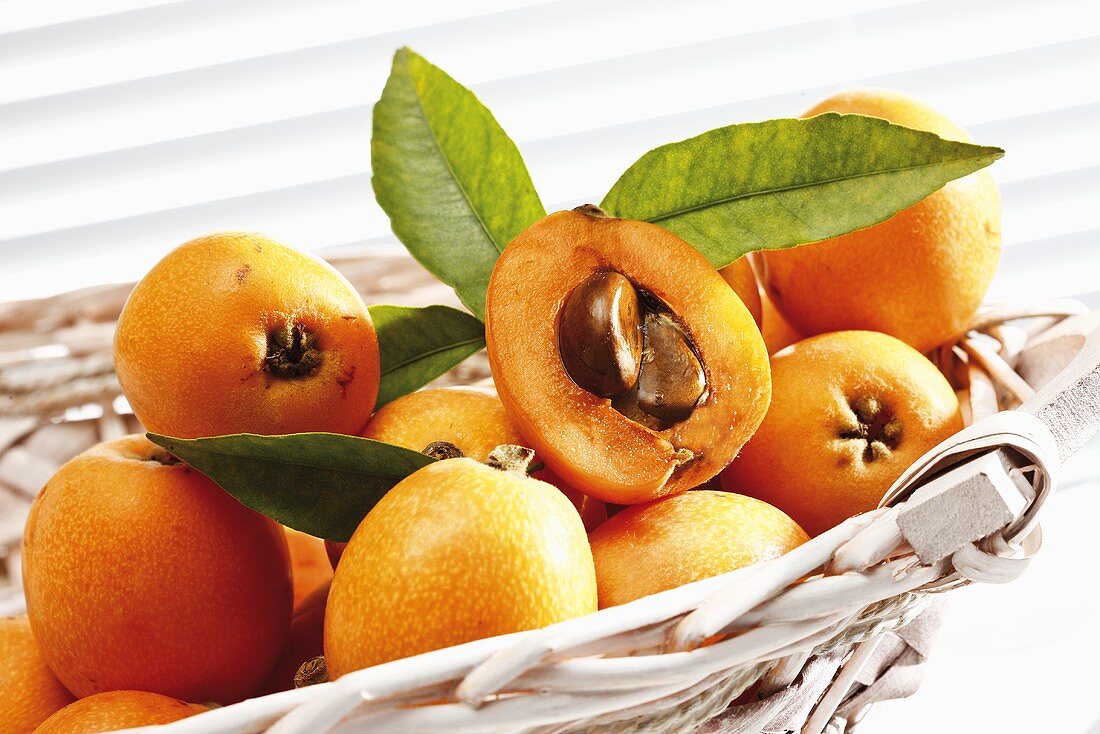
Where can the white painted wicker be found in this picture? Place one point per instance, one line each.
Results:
(802, 625)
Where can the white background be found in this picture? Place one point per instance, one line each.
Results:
(129, 126)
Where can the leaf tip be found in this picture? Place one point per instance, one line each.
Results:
(158, 439)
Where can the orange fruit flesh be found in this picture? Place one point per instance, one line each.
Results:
(581, 436)
(739, 274)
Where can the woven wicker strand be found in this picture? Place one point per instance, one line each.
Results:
(666, 663)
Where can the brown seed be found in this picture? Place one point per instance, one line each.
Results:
(600, 334)
(671, 379)
(627, 404)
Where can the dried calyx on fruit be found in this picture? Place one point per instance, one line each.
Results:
(292, 351)
(505, 457)
(509, 457)
(875, 426)
(311, 672)
(442, 450)
(618, 341)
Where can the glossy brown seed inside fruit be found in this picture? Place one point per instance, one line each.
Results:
(627, 404)
(671, 379)
(600, 334)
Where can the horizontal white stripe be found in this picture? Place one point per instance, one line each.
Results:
(289, 153)
(128, 133)
(567, 98)
(486, 37)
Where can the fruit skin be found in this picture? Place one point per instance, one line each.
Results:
(580, 436)
(593, 511)
(777, 331)
(918, 276)
(29, 691)
(147, 576)
(114, 710)
(193, 336)
(305, 641)
(798, 460)
(455, 552)
(676, 540)
(471, 418)
(740, 276)
(310, 568)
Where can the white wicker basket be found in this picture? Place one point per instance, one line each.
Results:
(808, 628)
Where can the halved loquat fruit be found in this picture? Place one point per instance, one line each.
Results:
(676, 540)
(456, 552)
(624, 358)
(850, 411)
(236, 333)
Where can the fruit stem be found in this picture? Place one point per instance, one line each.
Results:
(683, 456)
(163, 457)
(312, 672)
(292, 352)
(442, 450)
(593, 211)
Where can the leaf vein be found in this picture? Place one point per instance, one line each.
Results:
(808, 185)
(267, 460)
(451, 170)
(432, 352)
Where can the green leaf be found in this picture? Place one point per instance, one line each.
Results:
(781, 183)
(320, 483)
(452, 182)
(418, 345)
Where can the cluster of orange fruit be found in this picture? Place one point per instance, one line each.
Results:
(148, 586)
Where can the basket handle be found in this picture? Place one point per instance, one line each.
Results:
(1069, 403)
(986, 492)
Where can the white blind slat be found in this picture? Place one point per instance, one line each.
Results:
(176, 118)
